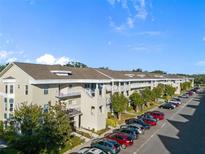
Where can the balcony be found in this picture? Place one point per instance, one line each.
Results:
(140, 85)
(67, 95)
(73, 112)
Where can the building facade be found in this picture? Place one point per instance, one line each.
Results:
(85, 91)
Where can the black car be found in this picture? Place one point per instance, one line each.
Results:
(137, 121)
(167, 106)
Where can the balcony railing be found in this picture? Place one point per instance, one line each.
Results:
(69, 94)
(139, 85)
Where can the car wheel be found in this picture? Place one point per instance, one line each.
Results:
(123, 146)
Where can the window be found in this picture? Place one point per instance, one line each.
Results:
(5, 115)
(11, 115)
(45, 107)
(11, 102)
(26, 89)
(127, 93)
(5, 103)
(6, 89)
(45, 91)
(11, 89)
(92, 110)
(100, 92)
(101, 109)
(121, 83)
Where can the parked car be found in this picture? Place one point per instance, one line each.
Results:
(167, 106)
(136, 127)
(190, 93)
(157, 115)
(147, 116)
(109, 146)
(174, 103)
(137, 121)
(184, 96)
(123, 139)
(90, 150)
(127, 131)
(177, 99)
(150, 121)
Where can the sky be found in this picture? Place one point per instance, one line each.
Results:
(120, 34)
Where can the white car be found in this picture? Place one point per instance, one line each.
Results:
(175, 101)
(90, 150)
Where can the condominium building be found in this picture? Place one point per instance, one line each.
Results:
(85, 91)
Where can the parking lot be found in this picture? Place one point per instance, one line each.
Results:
(182, 131)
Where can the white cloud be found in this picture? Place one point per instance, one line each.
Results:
(51, 60)
(4, 54)
(109, 43)
(203, 38)
(201, 63)
(10, 56)
(118, 28)
(146, 48)
(140, 12)
(150, 33)
(130, 22)
(62, 60)
(112, 2)
(10, 60)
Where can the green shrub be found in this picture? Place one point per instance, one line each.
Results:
(129, 108)
(10, 151)
(111, 122)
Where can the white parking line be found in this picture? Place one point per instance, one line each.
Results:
(161, 127)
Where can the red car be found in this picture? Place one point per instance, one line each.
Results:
(157, 115)
(123, 139)
(150, 121)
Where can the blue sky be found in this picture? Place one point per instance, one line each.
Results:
(121, 34)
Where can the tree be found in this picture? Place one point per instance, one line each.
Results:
(76, 64)
(104, 68)
(169, 90)
(147, 95)
(136, 100)
(2, 67)
(158, 91)
(159, 72)
(41, 131)
(119, 103)
(137, 70)
(185, 86)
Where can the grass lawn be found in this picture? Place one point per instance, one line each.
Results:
(74, 141)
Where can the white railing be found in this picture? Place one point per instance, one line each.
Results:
(139, 85)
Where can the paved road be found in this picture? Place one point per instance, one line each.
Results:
(183, 131)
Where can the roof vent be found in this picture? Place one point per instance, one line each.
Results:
(130, 75)
(61, 72)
